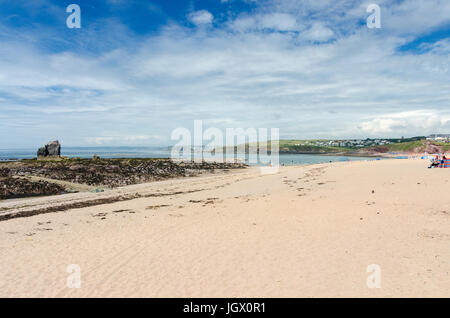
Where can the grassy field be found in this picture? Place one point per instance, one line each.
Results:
(398, 145)
(416, 146)
(294, 146)
(407, 146)
(313, 149)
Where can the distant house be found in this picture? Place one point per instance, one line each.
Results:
(439, 137)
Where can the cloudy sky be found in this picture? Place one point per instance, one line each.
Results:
(136, 70)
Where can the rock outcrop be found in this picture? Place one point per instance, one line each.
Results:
(52, 149)
(111, 172)
(11, 188)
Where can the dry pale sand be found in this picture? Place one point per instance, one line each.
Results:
(304, 232)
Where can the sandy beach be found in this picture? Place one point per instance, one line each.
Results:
(307, 231)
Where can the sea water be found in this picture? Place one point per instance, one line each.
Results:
(164, 152)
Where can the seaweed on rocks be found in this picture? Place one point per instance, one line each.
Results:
(111, 172)
(19, 187)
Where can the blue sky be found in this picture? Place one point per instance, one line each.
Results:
(136, 70)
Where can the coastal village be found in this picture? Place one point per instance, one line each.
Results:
(348, 143)
(361, 143)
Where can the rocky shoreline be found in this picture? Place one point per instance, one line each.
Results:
(105, 173)
(12, 188)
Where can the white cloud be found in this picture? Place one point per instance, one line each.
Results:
(414, 16)
(201, 17)
(128, 140)
(278, 21)
(266, 21)
(263, 69)
(318, 33)
(440, 47)
(423, 122)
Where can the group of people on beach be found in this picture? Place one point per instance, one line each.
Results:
(438, 161)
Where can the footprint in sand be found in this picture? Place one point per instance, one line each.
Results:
(179, 215)
(440, 213)
(120, 211)
(100, 215)
(155, 207)
(42, 223)
(431, 234)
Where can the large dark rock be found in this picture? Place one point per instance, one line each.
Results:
(42, 152)
(52, 149)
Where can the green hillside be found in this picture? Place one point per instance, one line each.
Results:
(361, 147)
(407, 146)
(417, 146)
(312, 149)
(445, 146)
